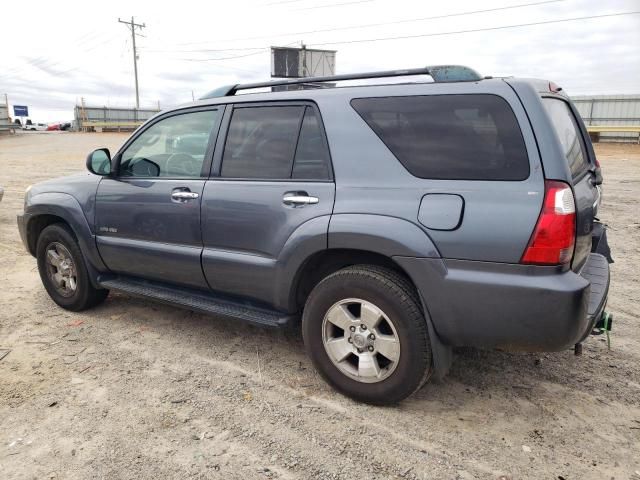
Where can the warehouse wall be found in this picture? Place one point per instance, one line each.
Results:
(4, 114)
(610, 110)
(115, 118)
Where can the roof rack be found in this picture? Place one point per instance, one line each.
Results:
(439, 73)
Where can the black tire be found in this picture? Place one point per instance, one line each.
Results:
(85, 295)
(396, 297)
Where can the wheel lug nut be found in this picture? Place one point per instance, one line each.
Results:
(363, 326)
(350, 340)
(359, 350)
(352, 328)
(371, 348)
(372, 337)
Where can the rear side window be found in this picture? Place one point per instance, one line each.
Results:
(275, 142)
(312, 157)
(462, 137)
(567, 129)
(261, 142)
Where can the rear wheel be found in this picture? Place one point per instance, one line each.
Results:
(63, 271)
(365, 333)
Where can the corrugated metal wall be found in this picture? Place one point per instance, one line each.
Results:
(124, 117)
(4, 115)
(610, 110)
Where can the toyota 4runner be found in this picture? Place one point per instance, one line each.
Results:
(392, 222)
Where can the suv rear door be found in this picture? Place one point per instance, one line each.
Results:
(271, 176)
(585, 189)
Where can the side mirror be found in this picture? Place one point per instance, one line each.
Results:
(99, 162)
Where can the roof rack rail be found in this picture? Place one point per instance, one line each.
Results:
(439, 73)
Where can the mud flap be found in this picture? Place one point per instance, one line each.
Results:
(441, 354)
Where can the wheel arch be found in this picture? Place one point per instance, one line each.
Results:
(48, 208)
(38, 223)
(325, 262)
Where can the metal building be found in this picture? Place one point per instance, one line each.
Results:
(618, 116)
(99, 119)
(5, 121)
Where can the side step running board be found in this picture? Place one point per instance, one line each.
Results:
(197, 300)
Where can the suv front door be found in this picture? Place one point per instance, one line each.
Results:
(148, 214)
(271, 179)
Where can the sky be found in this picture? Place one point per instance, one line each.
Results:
(55, 53)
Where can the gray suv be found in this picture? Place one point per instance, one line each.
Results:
(391, 222)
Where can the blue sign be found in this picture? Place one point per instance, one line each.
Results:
(20, 111)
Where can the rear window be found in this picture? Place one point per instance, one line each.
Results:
(567, 129)
(462, 137)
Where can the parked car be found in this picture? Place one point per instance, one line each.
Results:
(41, 127)
(389, 222)
(53, 126)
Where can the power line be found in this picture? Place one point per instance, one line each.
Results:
(382, 24)
(434, 17)
(204, 50)
(458, 32)
(261, 50)
(282, 1)
(334, 5)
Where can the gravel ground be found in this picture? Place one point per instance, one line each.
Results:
(134, 389)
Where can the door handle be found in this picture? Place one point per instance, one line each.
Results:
(299, 199)
(183, 196)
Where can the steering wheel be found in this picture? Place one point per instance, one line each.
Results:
(184, 163)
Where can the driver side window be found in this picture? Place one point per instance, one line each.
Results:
(174, 147)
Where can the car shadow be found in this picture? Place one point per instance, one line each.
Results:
(473, 371)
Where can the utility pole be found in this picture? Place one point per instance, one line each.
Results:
(132, 25)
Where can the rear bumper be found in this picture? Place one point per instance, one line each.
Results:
(511, 307)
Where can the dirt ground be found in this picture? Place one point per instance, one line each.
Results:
(134, 389)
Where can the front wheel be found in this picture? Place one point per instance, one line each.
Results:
(63, 271)
(365, 333)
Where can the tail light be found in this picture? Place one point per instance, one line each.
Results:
(554, 237)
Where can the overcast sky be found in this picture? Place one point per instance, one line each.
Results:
(53, 53)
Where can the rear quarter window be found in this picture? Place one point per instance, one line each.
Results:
(462, 137)
(566, 126)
